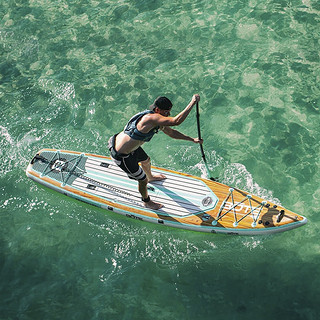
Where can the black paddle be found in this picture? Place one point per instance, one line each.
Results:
(201, 147)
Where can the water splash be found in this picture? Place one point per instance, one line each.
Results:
(5, 134)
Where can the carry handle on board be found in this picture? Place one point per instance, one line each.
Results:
(201, 146)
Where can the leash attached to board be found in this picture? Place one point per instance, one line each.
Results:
(201, 147)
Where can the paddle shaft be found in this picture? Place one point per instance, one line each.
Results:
(199, 133)
(201, 147)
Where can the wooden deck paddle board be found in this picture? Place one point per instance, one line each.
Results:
(189, 202)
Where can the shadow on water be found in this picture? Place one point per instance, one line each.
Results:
(54, 284)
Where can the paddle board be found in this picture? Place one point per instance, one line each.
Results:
(189, 202)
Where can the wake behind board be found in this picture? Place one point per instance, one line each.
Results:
(189, 202)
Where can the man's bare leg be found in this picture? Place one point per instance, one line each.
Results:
(144, 193)
(146, 166)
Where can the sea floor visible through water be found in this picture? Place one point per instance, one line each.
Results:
(71, 75)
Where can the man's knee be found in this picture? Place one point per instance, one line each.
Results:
(145, 162)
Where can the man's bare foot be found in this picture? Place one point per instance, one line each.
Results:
(157, 177)
(153, 205)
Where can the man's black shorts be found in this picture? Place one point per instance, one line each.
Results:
(129, 163)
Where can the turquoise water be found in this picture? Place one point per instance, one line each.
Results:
(72, 73)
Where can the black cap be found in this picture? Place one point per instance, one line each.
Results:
(162, 103)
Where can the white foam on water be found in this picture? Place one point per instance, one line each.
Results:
(4, 133)
(234, 175)
(237, 175)
(59, 89)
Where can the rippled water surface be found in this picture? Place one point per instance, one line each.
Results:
(73, 72)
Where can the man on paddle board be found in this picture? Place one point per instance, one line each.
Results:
(125, 147)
